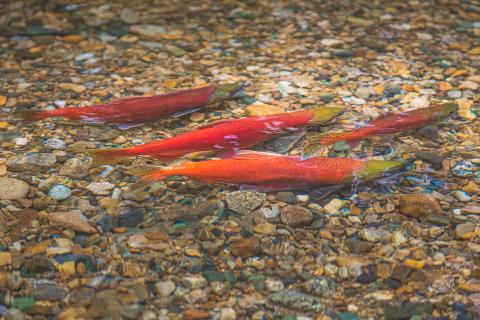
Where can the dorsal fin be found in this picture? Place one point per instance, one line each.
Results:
(119, 101)
(255, 155)
(215, 123)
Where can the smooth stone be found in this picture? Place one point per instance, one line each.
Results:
(71, 220)
(463, 229)
(285, 196)
(370, 234)
(419, 205)
(13, 189)
(34, 162)
(245, 248)
(359, 246)
(407, 310)
(149, 31)
(334, 206)
(129, 16)
(100, 188)
(165, 288)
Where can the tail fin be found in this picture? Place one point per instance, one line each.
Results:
(148, 175)
(105, 156)
(28, 116)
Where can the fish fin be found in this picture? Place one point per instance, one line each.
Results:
(126, 126)
(323, 192)
(148, 175)
(28, 116)
(119, 101)
(285, 143)
(142, 169)
(105, 156)
(263, 188)
(215, 123)
(164, 158)
(254, 155)
(184, 112)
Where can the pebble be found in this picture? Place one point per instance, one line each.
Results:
(74, 168)
(464, 230)
(71, 220)
(60, 192)
(244, 202)
(463, 169)
(296, 216)
(228, 314)
(296, 301)
(370, 234)
(334, 206)
(262, 109)
(320, 286)
(363, 92)
(461, 196)
(129, 16)
(419, 205)
(149, 31)
(32, 162)
(77, 88)
(55, 144)
(165, 288)
(331, 43)
(100, 188)
(13, 189)
(454, 94)
(245, 248)
(420, 102)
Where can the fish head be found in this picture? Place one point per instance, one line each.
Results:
(446, 109)
(375, 168)
(226, 91)
(326, 113)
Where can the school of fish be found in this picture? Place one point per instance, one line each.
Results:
(261, 171)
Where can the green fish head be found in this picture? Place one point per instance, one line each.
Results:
(375, 168)
(226, 91)
(447, 109)
(326, 113)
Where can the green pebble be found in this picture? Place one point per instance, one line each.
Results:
(23, 303)
(348, 316)
(213, 276)
(416, 317)
(289, 317)
(230, 276)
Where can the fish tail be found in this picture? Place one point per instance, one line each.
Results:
(28, 116)
(106, 156)
(148, 174)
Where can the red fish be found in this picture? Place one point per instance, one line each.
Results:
(269, 171)
(224, 136)
(133, 111)
(392, 123)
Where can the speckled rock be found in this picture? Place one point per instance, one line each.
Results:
(320, 286)
(296, 301)
(296, 216)
(245, 202)
(74, 168)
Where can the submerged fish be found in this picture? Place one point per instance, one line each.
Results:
(263, 171)
(223, 136)
(389, 123)
(133, 111)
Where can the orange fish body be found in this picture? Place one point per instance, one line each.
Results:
(132, 111)
(271, 172)
(393, 123)
(223, 136)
